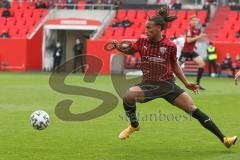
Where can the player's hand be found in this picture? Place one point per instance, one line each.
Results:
(115, 43)
(237, 77)
(192, 86)
(202, 35)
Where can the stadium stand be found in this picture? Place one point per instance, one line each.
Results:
(138, 17)
(24, 18)
(224, 25)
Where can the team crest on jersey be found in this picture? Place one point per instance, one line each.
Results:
(163, 50)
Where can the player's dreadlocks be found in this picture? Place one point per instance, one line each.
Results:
(162, 18)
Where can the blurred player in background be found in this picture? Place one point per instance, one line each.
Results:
(193, 34)
(179, 43)
(158, 64)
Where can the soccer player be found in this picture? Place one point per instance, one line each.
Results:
(158, 63)
(193, 34)
(237, 77)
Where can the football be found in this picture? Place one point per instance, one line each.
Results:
(39, 120)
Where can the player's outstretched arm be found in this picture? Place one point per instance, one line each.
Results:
(237, 77)
(194, 39)
(125, 50)
(179, 73)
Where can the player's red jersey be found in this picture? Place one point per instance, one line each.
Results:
(189, 47)
(156, 58)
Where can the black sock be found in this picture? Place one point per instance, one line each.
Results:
(199, 75)
(131, 114)
(207, 123)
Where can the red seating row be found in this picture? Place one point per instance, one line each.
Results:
(130, 33)
(143, 14)
(16, 31)
(138, 17)
(226, 35)
(233, 16)
(30, 13)
(81, 5)
(22, 22)
(24, 5)
(29, 5)
(231, 25)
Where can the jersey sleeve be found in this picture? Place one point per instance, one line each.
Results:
(173, 53)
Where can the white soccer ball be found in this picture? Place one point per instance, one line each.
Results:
(39, 120)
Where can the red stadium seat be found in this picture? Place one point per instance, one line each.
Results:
(202, 15)
(151, 13)
(170, 33)
(25, 5)
(121, 14)
(15, 5)
(139, 32)
(141, 14)
(131, 14)
(4, 28)
(118, 33)
(128, 33)
(81, 5)
(228, 25)
(232, 16)
(28, 13)
(236, 26)
(175, 24)
(184, 25)
(38, 12)
(13, 32)
(3, 21)
(18, 13)
(108, 33)
(190, 13)
(231, 36)
(23, 32)
(36, 15)
(11, 21)
(21, 20)
(173, 13)
(141, 27)
(139, 23)
(222, 35)
(30, 23)
(181, 14)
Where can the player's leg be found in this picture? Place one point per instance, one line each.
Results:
(209, 68)
(142, 93)
(133, 95)
(185, 102)
(233, 71)
(201, 64)
(182, 59)
(215, 66)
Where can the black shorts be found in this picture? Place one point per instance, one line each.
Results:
(187, 56)
(167, 90)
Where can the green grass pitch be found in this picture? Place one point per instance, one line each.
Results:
(159, 139)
